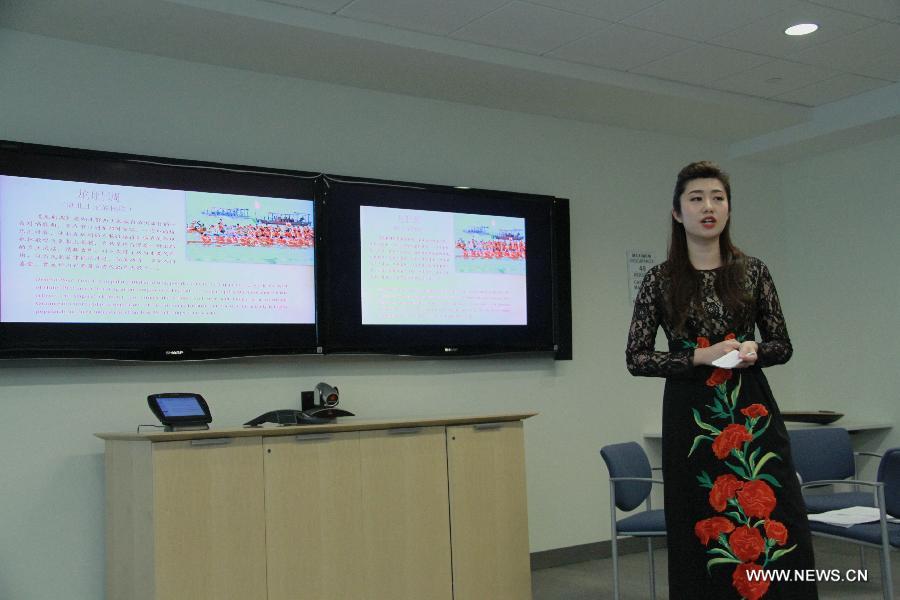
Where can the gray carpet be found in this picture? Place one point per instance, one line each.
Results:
(593, 579)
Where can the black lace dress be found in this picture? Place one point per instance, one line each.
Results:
(734, 512)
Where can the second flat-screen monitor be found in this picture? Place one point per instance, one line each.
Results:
(430, 270)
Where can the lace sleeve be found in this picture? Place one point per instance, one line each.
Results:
(640, 354)
(775, 347)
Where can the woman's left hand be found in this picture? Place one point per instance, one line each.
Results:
(747, 354)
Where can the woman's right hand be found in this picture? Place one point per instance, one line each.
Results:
(705, 356)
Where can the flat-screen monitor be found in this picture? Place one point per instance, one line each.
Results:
(133, 257)
(434, 270)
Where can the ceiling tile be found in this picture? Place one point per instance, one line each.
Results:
(620, 47)
(856, 50)
(829, 90)
(527, 28)
(701, 20)
(609, 10)
(773, 78)
(767, 36)
(888, 10)
(887, 67)
(438, 17)
(326, 6)
(701, 64)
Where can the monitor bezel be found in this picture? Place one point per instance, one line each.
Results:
(342, 330)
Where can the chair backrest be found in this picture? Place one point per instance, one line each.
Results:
(889, 474)
(822, 453)
(628, 460)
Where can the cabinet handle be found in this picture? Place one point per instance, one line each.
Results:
(487, 426)
(404, 430)
(312, 437)
(211, 442)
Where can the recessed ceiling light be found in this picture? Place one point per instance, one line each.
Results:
(801, 29)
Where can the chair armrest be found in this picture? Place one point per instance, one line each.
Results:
(636, 479)
(862, 453)
(875, 484)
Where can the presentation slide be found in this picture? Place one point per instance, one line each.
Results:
(422, 267)
(73, 252)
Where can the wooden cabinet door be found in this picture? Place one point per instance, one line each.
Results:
(208, 513)
(488, 512)
(406, 523)
(314, 517)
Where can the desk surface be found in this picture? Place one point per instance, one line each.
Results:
(849, 425)
(342, 424)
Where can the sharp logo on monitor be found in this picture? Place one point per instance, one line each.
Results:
(174, 352)
(451, 349)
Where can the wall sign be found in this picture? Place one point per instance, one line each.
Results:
(639, 262)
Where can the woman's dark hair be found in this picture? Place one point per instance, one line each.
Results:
(684, 279)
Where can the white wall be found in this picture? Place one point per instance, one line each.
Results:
(842, 225)
(619, 182)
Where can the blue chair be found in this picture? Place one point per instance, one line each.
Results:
(630, 483)
(881, 534)
(825, 453)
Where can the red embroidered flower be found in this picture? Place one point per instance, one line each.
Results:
(712, 528)
(718, 376)
(702, 342)
(723, 490)
(747, 543)
(730, 336)
(755, 410)
(757, 499)
(747, 588)
(775, 530)
(731, 438)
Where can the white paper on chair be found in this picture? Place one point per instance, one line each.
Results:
(848, 517)
(727, 361)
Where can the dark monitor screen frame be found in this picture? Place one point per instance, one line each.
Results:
(340, 266)
(154, 341)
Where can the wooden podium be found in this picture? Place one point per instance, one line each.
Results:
(359, 509)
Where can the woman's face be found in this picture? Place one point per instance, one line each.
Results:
(704, 208)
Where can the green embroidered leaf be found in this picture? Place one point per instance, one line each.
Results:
(761, 431)
(738, 469)
(718, 409)
(696, 444)
(704, 479)
(720, 414)
(720, 392)
(779, 553)
(766, 458)
(721, 552)
(735, 393)
(721, 561)
(768, 478)
(687, 344)
(753, 457)
(703, 425)
(736, 516)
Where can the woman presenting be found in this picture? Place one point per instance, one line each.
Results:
(734, 512)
